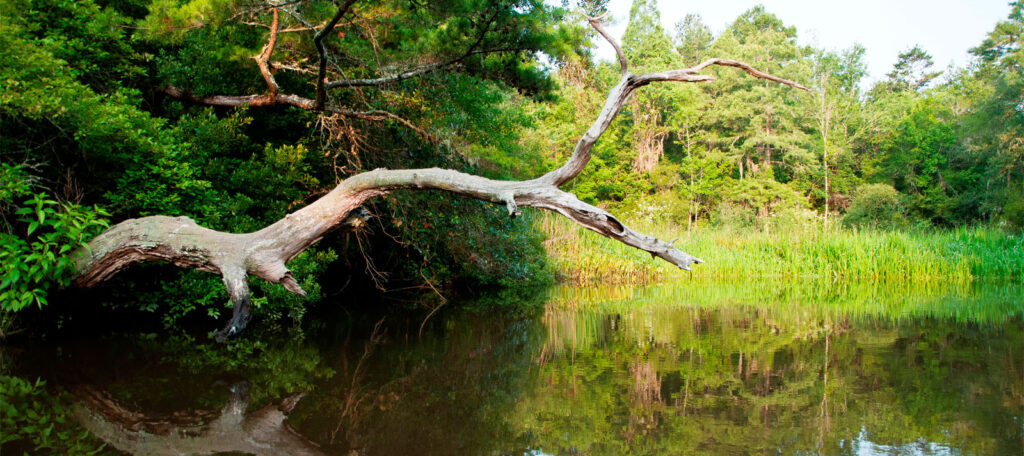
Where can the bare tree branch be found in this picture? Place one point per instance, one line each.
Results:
(318, 40)
(595, 22)
(266, 252)
(297, 101)
(367, 82)
(264, 57)
(745, 67)
(620, 94)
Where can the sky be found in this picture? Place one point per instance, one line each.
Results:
(946, 29)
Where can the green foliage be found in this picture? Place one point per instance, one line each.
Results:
(278, 304)
(51, 113)
(36, 246)
(693, 39)
(764, 196)
(35, 421)
(1003, 44)
(77, 98)
(1013, 211)
(917, 159)
(876, 206)
(469, 241)
(645, 42)
(911, 70)
(172, 19)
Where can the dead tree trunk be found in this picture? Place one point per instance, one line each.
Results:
(265, 253)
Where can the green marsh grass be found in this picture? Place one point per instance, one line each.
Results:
(579, 316)
(959, 255)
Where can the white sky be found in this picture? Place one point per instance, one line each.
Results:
(944, 28)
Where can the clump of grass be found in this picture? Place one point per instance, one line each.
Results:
(578, 255)
(961, 255)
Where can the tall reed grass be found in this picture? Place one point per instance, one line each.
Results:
(958, 255)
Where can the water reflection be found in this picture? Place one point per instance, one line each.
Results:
(750, 379)
(232, 429)
(686, 368)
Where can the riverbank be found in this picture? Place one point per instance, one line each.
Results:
(959, 255)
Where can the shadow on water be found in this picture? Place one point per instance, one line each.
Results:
(681, 368)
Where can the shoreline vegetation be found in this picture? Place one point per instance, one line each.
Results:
(975, 302)
(835, 253)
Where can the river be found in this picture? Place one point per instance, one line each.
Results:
(686, 367)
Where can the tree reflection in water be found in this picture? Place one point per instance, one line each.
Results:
(676, 369)
(230, 429)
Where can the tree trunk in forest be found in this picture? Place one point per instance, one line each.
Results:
(265, 253)
(649, 137)
(691, 213)
(824, 115)
(768, 134)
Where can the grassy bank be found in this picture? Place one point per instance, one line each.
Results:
(959, 255)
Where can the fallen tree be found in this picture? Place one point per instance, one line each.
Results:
(265, 253)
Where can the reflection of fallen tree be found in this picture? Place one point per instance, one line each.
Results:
(229, 430)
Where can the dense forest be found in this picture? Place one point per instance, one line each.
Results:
(237, 112)
(920, 147)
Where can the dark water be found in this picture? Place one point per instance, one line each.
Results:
(686, 368)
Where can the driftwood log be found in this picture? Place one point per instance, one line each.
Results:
(265, 253)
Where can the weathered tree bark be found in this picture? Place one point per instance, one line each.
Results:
(231, 429)
(265, 253)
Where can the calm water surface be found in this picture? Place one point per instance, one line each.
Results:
(683, 368)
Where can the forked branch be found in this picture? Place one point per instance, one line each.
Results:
(263, 59)
(619, 94)
(318, 40)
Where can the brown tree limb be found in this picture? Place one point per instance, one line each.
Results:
(745, 67)
(264, 57)
(414, 72)
(318, 41)
(271, 99)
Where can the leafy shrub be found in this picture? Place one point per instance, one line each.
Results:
(34, 248)
(663, 206)
(878, 206)
(1013, 210)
